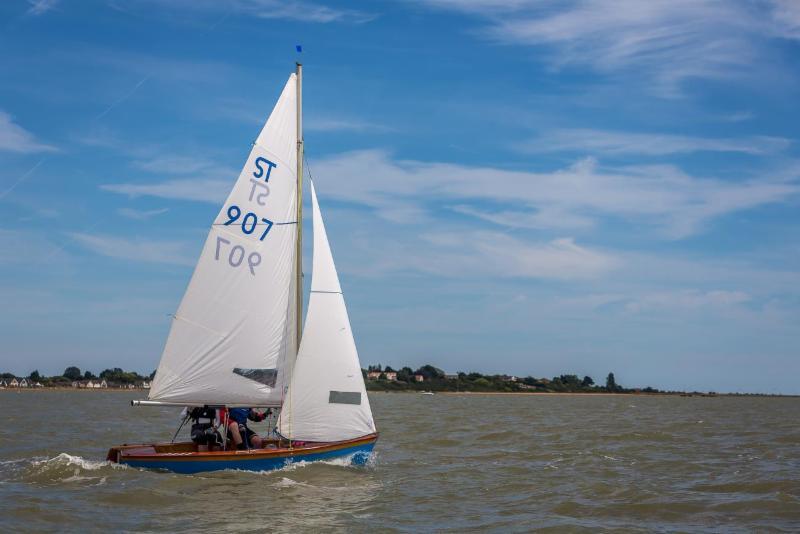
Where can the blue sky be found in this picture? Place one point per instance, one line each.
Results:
(530, 187)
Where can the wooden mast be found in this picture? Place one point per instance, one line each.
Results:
(299, 251)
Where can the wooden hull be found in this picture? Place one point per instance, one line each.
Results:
(184, 458)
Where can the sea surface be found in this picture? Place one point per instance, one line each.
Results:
(449, 463)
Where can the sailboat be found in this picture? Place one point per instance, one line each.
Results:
(237, 339)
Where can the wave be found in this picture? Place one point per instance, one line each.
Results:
(63, 468)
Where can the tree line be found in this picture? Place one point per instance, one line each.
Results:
(73, 373)
(435, 379)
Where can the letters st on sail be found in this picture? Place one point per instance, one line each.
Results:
(260, 204)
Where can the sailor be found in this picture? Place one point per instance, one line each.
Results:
(204, 434)
(238, 430)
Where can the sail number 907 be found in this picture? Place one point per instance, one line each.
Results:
(249, 221)
(237, 254)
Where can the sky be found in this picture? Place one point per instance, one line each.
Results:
(528, 187)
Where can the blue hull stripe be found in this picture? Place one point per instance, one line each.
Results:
(360, 455)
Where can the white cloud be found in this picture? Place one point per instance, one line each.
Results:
(175, 164)
(338, 124)
(299, 10)
(786, 18)
(463, 254)
(14, 138)
(137, 249)
(40, 7)
(202, 190)
(302, 11)
(543, 217)
(141, 215)
(739, 116)
(667, 41)
(28, 248)
(687, 299)
(658, 196)
(209, 181)
(616, 143)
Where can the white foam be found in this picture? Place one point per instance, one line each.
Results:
(65, 459)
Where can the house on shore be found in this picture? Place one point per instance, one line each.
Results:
(373, 375)
(14, 383)
(24, 383)
(90, 384)
(419, 378)
(391, 375)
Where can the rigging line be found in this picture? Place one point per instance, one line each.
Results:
(307, 166)
(258, 224)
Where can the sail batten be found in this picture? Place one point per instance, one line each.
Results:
(238, 312)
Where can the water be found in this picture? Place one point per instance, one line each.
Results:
(443, 463)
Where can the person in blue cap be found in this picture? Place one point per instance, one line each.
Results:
(239, 432)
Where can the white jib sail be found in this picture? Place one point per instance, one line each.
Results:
(233, 338)
(327, 400)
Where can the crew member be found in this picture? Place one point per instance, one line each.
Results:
(238, 430)
(204, 433)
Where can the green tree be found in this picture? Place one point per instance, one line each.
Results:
(405, 374)
(88, 375)
(73, 373)
(430, 372)
(587, 381)
(611, 383)
(35, 376)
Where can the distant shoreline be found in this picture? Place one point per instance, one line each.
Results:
(452, 393)
(586, 394)
(68, 388)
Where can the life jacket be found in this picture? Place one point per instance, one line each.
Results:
(240, 415)
(202, 416)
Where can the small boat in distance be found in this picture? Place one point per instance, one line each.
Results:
(238, 340)
(426, 392)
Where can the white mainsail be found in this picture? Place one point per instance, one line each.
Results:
(233, 339)
(327, 400)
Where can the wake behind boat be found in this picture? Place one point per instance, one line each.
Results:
(236, 340)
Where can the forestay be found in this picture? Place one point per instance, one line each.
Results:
(327, 400)
(233, 338)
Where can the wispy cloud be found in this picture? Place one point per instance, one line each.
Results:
(176, 164)
(24, 176)
(302, 11)
(123, 98)
(500, 255)
(141, 215)
(137, 249)
(15, 138)
(607, 142)
(210, 182)
(460, 254)
(739, 116)
(40, 7)
(299, 10)
(667, 41)
(657, 196)
(190, 189)
(340, 124)
(687, 299)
